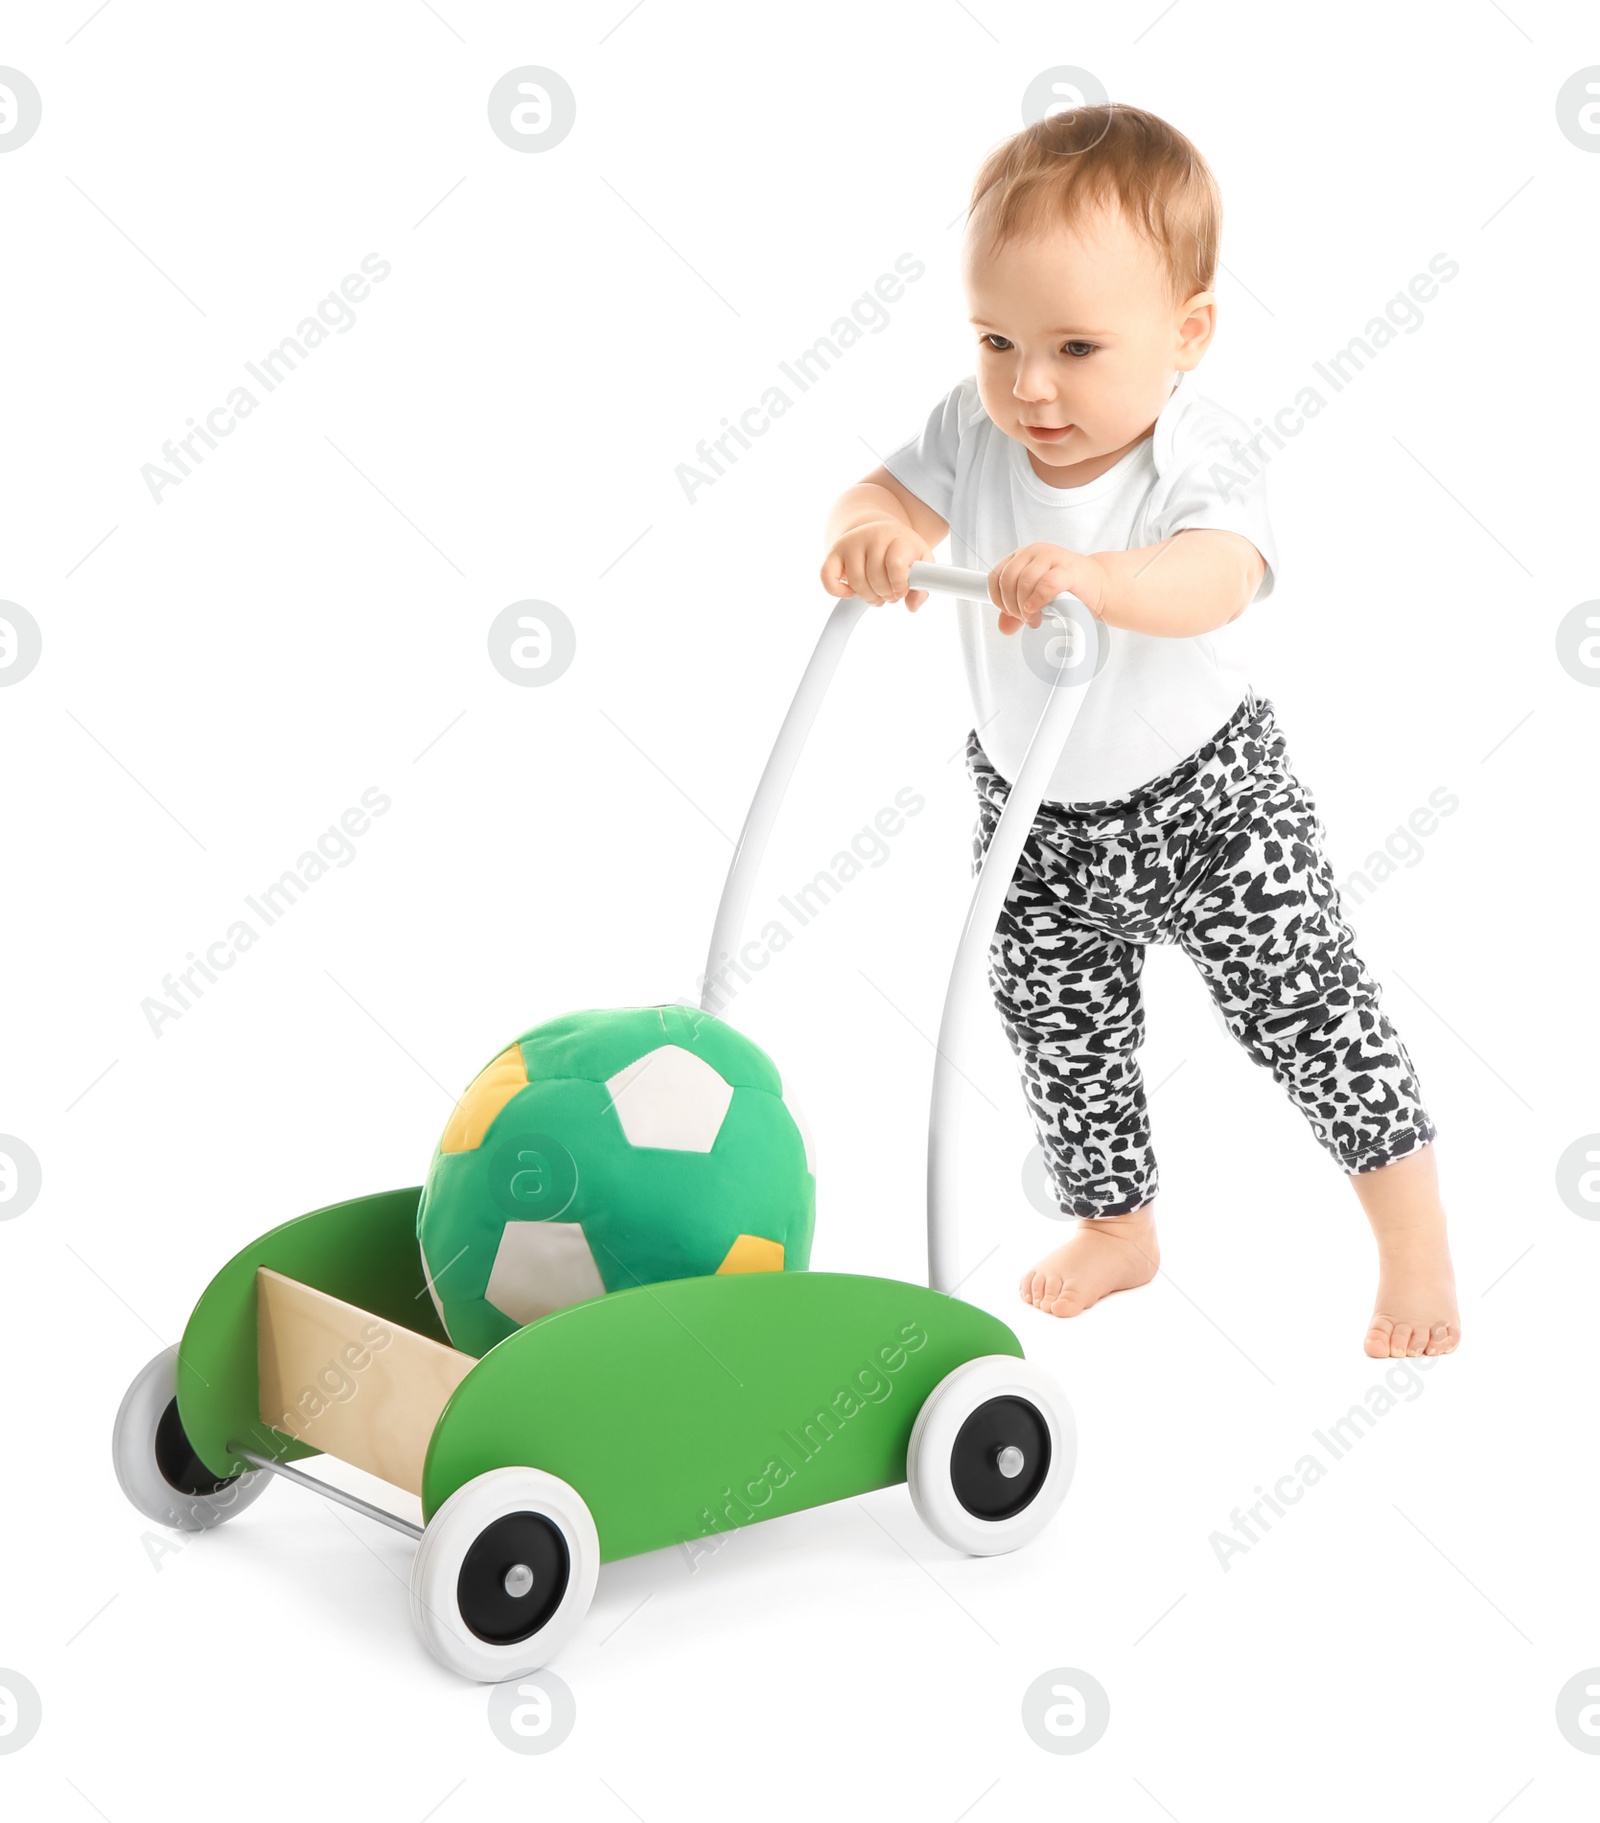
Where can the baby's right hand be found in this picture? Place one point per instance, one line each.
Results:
(874, 562)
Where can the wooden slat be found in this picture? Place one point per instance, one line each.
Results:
(351, 1384)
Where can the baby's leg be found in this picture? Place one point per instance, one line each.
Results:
(1064, 967)
(1261, 918)
(1070, 1002)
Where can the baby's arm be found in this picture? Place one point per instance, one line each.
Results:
(876, 531)
(1193, 582)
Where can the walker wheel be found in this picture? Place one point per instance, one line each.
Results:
(504, 1574)
(991, 1454)
(156, 1464)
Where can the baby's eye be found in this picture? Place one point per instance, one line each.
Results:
(1080, 349)
(997, 342)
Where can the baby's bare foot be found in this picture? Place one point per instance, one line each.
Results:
(1416, 1312)
(1106, 1253)
(1416, 1309)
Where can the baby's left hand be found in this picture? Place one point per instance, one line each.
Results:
(1024, 584)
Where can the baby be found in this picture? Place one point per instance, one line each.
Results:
(1079, 458)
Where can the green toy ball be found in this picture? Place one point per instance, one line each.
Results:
(609, 1149)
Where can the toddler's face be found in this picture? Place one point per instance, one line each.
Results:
(1078, 339)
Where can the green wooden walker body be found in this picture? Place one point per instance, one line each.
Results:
(678, 1410)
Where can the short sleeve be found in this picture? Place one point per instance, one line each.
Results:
(926, 466)
(1209, 479)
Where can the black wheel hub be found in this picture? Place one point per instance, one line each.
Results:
(1001, 1458)
(513, 1578)
(180, 1467)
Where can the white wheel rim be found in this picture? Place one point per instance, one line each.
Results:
(133, 1455)
(933, 1437)
(451, 1534)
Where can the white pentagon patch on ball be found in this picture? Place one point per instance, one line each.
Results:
(540, 1267)
(670, 1099)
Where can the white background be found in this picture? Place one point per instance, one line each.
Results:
(306, 616)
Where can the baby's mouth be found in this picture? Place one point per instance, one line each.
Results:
(1047, 433)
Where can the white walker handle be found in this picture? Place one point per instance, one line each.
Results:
(945, 579)
(739, 887)
(968, 973)
(994, 877)
(734, 906)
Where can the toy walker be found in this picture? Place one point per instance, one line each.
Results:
(686, 1408)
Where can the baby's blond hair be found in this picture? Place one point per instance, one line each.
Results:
(1106, 154)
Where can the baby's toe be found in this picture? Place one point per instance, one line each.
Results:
(1035, 1288)
(1377, 1342)
(1400, 1341)
(1442, 1339)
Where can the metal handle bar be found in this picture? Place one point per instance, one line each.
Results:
(1044, 752)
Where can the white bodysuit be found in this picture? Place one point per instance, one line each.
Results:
(1155, 699)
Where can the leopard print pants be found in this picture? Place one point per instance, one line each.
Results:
(1223, 855)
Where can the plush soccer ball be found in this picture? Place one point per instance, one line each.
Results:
(609, 1149)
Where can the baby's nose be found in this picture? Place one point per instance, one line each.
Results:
(1033, 384)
